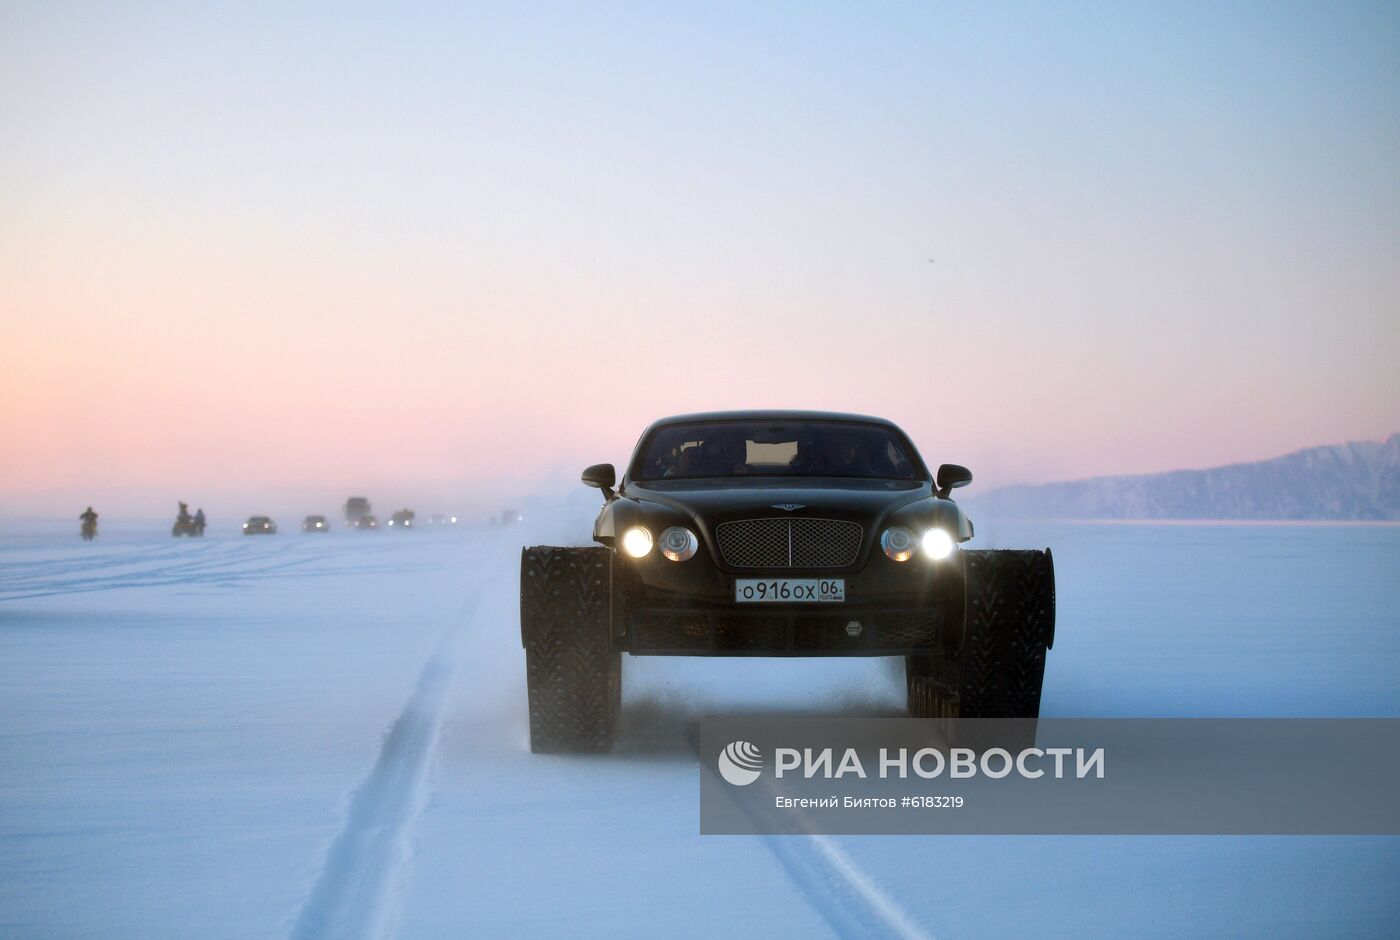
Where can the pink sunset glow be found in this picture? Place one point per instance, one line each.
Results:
(234, 263)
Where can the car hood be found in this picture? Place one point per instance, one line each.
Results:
(710, 502)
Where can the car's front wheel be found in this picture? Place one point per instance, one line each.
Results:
(573, 676)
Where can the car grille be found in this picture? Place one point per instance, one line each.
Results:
(789, 543)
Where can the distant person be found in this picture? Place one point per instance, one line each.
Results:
(89, 529)
(199, 521)
(184, 524)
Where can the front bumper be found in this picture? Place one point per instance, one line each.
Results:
(667, 608)
(854, 632)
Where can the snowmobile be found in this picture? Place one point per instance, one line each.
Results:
(185, 524)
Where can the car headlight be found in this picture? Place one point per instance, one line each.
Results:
(636, 542)
(898, 543)
(938, 544)
(678, 543)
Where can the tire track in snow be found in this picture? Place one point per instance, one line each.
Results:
(225, 565)
(197, 564)
(850, 901)
(355, 895)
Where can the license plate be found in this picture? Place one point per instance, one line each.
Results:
(789, 590)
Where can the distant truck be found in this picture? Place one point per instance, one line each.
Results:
(403, 519)
(356, 509)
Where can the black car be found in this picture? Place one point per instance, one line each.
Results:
(782, 533)
(403, 519)
(365, 522)
(259, 525)
(315, 524)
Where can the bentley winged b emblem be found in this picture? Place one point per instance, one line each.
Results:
(789, 507)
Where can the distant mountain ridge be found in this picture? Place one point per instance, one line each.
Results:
(1359, 480)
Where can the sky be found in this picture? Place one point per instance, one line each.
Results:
(258, 255)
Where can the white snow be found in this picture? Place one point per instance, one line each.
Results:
(325, 736)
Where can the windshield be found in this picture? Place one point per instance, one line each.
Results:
(777, 449)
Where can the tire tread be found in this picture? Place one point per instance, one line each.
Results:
(1000, 669)
(573, 676)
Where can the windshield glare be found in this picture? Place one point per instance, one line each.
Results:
(777, 448)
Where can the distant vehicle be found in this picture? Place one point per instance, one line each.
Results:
(511, 517)
(365, 522)
(783, 533)
(441, 520)
(356, 508)
(315, 524)
(259, 525)
(186, 524)
(403, 519)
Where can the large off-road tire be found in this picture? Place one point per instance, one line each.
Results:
(999, 669)
(574, 677)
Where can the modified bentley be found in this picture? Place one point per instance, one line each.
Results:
(782, 533)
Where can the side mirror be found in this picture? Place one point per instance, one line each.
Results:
(601, 475)
(950, 477)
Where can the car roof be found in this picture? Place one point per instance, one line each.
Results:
(778, 414)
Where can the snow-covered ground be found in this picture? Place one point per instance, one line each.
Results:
(325, 736)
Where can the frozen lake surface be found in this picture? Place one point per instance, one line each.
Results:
(326, 736)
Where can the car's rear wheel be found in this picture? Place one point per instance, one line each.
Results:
(1000, 668)
(573, 675)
